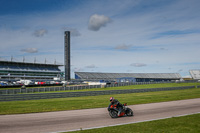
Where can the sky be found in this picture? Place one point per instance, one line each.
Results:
(115, 36)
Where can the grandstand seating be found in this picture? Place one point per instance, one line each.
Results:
(28, 70)
(195, 74)
(113, 76)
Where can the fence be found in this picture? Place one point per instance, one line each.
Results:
(18, 97)
(78, 87)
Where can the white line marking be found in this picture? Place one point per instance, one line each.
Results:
(125, 123)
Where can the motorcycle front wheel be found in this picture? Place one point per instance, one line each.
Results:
(113, 114)
(129, 112)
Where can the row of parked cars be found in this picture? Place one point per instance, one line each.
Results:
(53, 82)
(28, 82)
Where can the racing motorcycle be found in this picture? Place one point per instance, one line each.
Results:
(113, 111)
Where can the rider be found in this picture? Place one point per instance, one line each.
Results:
(117, 103)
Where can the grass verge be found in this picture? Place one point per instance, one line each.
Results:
(47, 105)
(184, 124)
(143, 86)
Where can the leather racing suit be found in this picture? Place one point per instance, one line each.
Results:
(117, 104)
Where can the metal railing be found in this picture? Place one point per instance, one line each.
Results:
(77, 87)
(19, 97)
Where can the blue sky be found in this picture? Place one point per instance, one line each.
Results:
(131, 36)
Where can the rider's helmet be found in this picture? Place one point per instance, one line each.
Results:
(111, 99)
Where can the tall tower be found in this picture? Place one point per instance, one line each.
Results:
(67, 55)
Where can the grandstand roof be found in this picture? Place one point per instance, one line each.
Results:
(25, 67)
(27, 63)
(195, 74)
(95, 75)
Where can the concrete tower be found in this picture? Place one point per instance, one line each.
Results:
(67, 55)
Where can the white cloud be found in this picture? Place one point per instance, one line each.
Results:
(77, 69)
(40, 33)
(138, 64)
(97, 21)
(74, 32)
(91, 66)
(2, 59)
(123, 47)
(30, 50)
(163, 49)
(145, 29)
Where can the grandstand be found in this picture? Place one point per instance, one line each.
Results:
(139, 77)
(10, 70)
(195, 74)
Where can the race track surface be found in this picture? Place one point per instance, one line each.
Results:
(93, 118)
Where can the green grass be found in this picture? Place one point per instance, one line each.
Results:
(131, 87)
(47, 105)
(184, 124)
(142, 86)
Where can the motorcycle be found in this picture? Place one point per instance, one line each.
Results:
(113, 111)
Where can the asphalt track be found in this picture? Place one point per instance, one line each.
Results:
(93, 118)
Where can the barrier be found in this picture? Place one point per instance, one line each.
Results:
(19, 97)
(80, 87)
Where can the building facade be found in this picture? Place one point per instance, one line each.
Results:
(10, 70)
